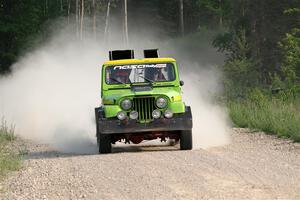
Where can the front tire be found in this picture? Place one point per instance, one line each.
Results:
(104, 142)
(186, 140)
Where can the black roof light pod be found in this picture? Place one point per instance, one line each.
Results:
(151, 53)
(121, 54)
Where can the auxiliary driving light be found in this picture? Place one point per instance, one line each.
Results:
(121, 115)
(133, 114)
(156, 114)
(161, 102)
(168, 114)
(126, 104)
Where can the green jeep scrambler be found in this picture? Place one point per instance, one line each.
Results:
(141, 100)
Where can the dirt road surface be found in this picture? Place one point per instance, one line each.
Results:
(253, 166)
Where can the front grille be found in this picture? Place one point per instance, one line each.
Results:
(144, 106)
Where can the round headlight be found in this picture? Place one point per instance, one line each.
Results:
(121, 115)
(161, 102)
(156, 114)
(126, 104)
(168, 114)
(133, 114)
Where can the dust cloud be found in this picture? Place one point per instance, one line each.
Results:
(53, 90)
(52, 93)
(211, 126)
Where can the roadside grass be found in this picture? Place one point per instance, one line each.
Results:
(9, 159)
(271, 116)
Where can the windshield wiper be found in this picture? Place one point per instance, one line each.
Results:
(147, 79)
(114, 79)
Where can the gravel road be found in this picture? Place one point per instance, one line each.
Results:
(253, 166)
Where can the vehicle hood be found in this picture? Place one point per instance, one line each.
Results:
(117, 94)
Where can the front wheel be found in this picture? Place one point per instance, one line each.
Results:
(104, 142)
(186, 140)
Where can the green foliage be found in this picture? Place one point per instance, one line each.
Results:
(9, 160)
(241, 72)
(290, 47)
(239, 77)
(292, 11)
(20, 20)
(255, 28)
(257, 96)
(219, 10)
(271, 116)
(234, 45)
(262, 77)
(7, 133)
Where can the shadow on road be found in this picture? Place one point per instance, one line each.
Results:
(44, 151)
(144, 148)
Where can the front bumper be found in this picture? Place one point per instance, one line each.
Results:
(114, 126)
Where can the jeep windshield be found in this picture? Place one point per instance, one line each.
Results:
(140, 73)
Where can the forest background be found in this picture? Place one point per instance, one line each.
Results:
(258, 40)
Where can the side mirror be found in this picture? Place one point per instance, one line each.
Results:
(181, 83)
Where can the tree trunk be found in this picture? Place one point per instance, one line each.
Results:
(243, 8)
(181, 17)
(221, 14)
(46, 8)
(77, 18)
(81, 19)
(68, 11)
(126, 23)
(94, 19)
(61, 6)
(106, 22)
